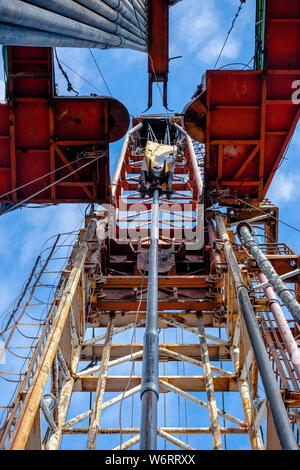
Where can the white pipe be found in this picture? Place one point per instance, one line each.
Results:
(197, 174)
(118, 169)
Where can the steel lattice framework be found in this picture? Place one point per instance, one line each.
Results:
(104, 286)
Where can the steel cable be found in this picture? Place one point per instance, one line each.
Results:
(229, 31)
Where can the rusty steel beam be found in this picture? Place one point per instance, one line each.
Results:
(33, 397)
(187, 383)
(216, 351)
(171, 430)
(209, 385)
(101, 381)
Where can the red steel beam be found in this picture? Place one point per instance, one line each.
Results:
(42, 135)
(158, 46)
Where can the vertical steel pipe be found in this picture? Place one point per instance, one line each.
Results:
(244, 232)
(279, 414)
(283, 326)
(149, 391)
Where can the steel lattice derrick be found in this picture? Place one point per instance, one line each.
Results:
(93, 345)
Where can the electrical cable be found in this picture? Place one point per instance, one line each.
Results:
(235, 63)
(52, 184)
(229, 31)
(99, 70)
(82, 78)
(266, 213)
(39, 178)
(70, 86)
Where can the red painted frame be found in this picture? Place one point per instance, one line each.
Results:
(158, 46)
(41, 133)
(250, 116)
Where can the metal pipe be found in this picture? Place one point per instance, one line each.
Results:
(117, 14)
(107, 12)
(283, 326)
(279, 414)
(149, 391)
(15, 35)
(119, 166)
(126, 10)
(17, 12)
(283, 277)
(136, 7)
(86, 16)
(142, 3)
(244, 232)
(196, 169)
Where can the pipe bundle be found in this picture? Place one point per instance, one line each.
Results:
(74, 23)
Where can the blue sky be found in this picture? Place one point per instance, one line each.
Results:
(197, 32)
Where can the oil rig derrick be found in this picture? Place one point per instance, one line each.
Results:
(177, 289)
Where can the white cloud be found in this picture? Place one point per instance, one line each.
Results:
(212, 48)
(201, 29)
(194, 25)
(126, 57)
(284, 188)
